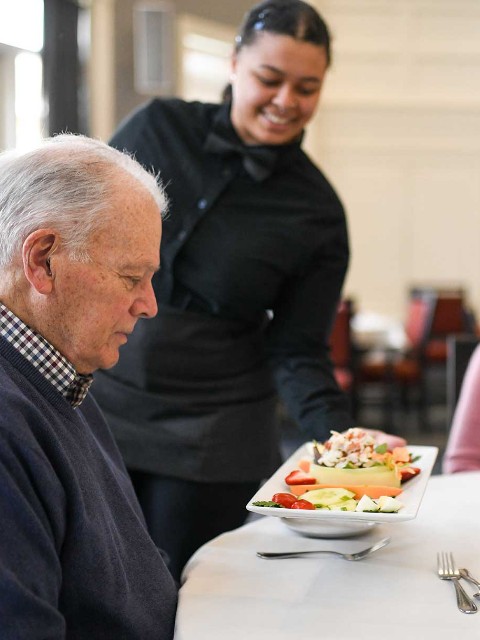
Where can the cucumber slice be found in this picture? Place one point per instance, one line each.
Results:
(327, 497)
(346, 505)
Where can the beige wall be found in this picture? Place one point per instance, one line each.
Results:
(398, 133)
(114, 47)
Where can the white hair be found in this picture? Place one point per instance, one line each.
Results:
(67, 182)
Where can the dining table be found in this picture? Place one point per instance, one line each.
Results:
(228, 593)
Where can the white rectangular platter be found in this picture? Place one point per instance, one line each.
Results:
(411, 496)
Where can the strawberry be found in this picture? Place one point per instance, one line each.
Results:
(408, 472)
(299, 477)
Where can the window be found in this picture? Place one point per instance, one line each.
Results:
(206, 48)
(21, 40)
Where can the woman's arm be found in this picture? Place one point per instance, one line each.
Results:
(463, 446)
(298, 340)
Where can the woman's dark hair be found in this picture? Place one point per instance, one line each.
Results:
(286, 17)
(293, 18)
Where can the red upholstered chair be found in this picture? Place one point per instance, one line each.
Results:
(431, 318)
(450, 317)
(341, 350)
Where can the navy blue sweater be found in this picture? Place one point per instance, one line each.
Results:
(76, 560)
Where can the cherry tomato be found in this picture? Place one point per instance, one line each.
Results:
(302, 504)
(285, 499)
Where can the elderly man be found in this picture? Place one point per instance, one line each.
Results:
(80, 227)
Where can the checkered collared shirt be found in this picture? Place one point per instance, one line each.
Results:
(45, 358)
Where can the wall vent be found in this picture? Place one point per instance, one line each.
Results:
(154, 48)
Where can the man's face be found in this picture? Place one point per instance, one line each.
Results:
(97, 304)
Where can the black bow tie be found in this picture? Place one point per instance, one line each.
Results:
(258, 161)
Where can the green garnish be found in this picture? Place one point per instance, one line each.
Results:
(381, 448)
(266, 503)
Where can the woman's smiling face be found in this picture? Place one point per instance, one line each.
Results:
(276, 84)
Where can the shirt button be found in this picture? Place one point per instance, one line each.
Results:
(202, 203)
(182, 235)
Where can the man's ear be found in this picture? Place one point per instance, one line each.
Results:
(36, 252)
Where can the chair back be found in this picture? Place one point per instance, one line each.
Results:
(449, 318)
(340, 343)
(341, 335)
(418, 323)
(446, 289)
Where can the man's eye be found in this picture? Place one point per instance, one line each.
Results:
(132, 281)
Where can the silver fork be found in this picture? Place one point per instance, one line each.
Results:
(448, 571)
(466, 575)
(359, 555)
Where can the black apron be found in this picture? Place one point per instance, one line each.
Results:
(192, 397)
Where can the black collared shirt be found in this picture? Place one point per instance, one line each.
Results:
(236, 248)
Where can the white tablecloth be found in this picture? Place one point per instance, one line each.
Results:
(230, 594)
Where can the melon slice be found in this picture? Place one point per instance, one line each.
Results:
(338, 477)
(304, 464)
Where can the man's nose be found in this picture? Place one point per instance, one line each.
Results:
(146, 305)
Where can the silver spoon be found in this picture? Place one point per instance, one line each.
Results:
(464, 573)
(359, 555)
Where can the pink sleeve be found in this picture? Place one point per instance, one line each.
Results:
(463, 446)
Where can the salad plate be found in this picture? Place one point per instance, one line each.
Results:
(325, 523)
(323, 528)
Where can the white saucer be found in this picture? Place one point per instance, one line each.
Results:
(329, 528)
